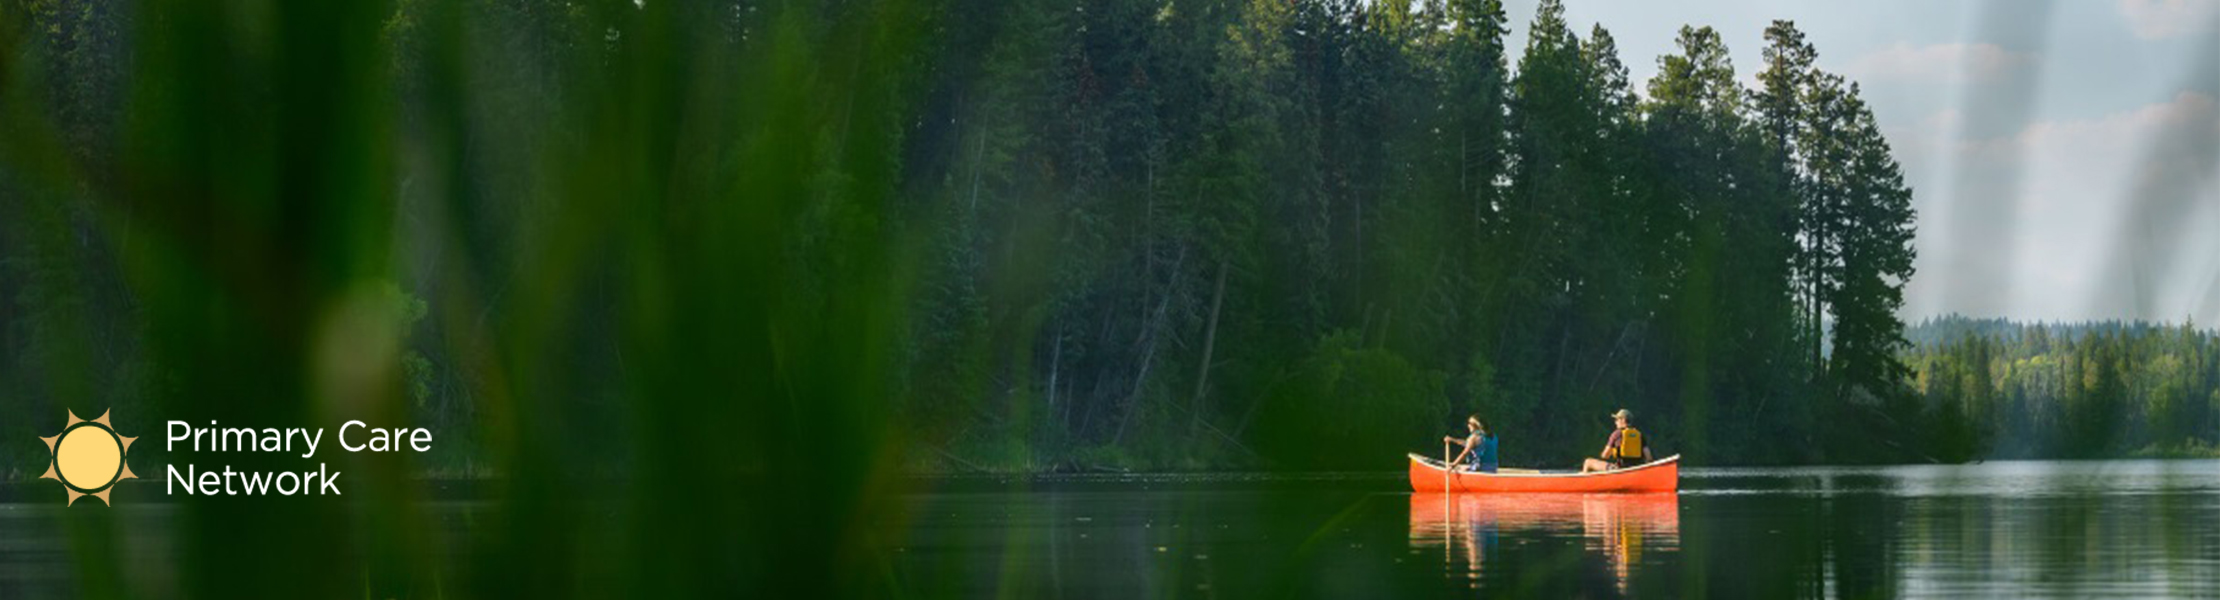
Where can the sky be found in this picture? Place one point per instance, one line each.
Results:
(2064, 157)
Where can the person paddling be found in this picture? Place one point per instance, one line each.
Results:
(1626, 447)
(1480, 445)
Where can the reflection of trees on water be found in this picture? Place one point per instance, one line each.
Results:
(1619, 528)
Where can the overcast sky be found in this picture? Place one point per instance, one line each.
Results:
(2063, 156)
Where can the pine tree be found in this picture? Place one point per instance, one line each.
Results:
(1876, 232)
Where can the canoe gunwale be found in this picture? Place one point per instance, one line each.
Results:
(1659, 476)
(1435, 464)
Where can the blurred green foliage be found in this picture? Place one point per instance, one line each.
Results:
(631, 262)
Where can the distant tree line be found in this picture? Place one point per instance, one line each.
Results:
(1990, 388)
(1122, 233)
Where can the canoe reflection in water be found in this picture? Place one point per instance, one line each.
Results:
(1620, 527)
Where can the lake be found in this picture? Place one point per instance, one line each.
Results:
(2096, 528)
(2001, 529)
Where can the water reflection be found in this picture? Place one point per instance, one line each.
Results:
(1618, 528)
(2137, 529)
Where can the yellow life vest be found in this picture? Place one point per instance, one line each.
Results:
(1630, 444)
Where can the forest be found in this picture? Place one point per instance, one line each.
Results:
(1990, 388)
(1319, 233)
(1023, 237)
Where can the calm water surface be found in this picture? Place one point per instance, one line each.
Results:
(2008, 529)
(2075, 529)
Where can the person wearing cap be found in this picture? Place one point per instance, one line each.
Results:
(1626, 447)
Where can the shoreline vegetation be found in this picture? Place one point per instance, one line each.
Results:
(2191, 450)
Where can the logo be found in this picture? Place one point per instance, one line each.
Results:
(88, 458)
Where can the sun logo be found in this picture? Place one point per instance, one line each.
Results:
(87, 457)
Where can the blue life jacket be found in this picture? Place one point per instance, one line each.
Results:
(1486, 460)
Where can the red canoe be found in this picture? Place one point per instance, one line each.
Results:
(1660, 476)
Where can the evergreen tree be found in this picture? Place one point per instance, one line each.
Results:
(1876, 228)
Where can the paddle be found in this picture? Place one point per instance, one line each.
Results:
(1447, 506)
(1445, 466)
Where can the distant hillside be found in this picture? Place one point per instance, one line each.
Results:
(1998, 388)
(1934, 331)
